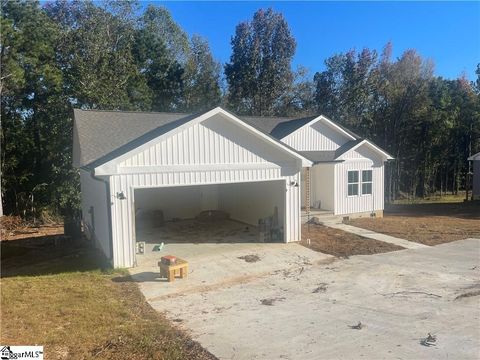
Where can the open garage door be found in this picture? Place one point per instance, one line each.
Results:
(214, 213)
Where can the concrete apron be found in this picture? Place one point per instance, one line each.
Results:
(217, 265)
(398, 297)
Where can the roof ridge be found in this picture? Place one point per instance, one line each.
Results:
(135, 112)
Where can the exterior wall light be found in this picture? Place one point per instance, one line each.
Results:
(120, 195)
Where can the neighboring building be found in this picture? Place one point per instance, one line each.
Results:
(184, 164)
(347, 177)
(475, 159)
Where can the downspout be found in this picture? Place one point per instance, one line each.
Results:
(307, 195)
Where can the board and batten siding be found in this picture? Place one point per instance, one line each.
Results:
(359, 203)
(96, 224)
(209, 152)
(123, 218)
(315, 137)
(210, 142)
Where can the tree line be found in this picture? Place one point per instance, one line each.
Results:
(116, 56)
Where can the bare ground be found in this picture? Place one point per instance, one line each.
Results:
(340, 243)
(14, 228)
(429, 224)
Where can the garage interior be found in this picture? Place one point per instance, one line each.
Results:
(215, 213)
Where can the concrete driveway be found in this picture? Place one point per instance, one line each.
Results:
(300, 304)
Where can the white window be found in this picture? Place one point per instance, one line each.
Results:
(353, 183)
(366, 182)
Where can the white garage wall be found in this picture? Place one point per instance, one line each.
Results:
(123, 233)
(94, 194)
(214, 151)
(249, 202)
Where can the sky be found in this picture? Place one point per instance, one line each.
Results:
(446, 32)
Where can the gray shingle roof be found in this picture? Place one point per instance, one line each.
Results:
(99, 133)
(330, 156)
(346, 147)
(100, 136)
(319, 156)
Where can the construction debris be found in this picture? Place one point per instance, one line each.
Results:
(320, 289)
(359, 326)
(213, 215)
(271, 301)
(430, 340)
(269, 229)
(158, 247)
(250, 258)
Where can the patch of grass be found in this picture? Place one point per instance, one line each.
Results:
(340, 243)
(72, 307)
(446, 198)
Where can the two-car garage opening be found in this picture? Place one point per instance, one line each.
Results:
(213, 213)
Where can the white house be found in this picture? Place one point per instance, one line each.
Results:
(250, 168)
(475, 159)
(347, 177)
(210, 161)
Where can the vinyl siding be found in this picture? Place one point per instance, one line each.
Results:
(214, 151)
(359, 203)
(94, 194)
(316, 137)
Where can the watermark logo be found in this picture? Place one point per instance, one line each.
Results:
(21, 352)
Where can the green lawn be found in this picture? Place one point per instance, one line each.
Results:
(67, 300)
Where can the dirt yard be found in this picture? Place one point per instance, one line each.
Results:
(13, 228)
(54, 294)
(429, 224)
(340, 243)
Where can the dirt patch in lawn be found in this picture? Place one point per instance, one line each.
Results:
(64, 299)
(340, 243)
(14, 228)
(429, 224)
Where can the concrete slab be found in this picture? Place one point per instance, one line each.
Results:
(399, 297)
(216, 265)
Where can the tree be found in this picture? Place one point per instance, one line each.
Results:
(95, 53)
(32, 94)
(259, 71)
(156, 62)
(428, 124)
(201, 78)
(299, 99)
